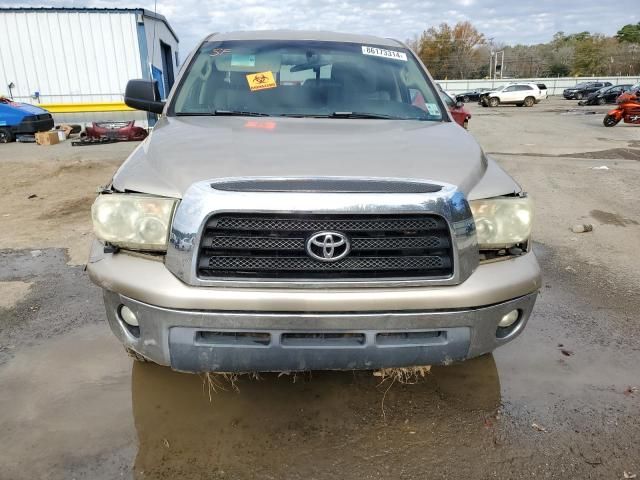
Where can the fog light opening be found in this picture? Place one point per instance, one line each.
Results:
(129, 320)
(508, 324)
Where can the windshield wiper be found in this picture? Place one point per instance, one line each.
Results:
(239, 113)
(222, 113)
(362, 115)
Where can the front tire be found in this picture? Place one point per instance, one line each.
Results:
(578, 96)
(610, 121)
(466, 99)
(494, 102)
(6, 135)
(602, 101)
(529, 102)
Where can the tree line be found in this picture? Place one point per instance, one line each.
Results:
(461, 51)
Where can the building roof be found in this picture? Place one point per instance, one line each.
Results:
(143, 11)
(312, 35)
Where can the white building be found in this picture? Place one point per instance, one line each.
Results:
(80, 59)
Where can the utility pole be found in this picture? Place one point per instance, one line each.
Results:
(498, 63)
(490, 43)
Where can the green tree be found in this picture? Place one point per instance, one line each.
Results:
(590, 56)
(629, 33)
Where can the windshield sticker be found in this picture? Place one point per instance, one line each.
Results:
(238, 60)
(433, 109)
(261, 81)
(219, 51)
(381, 52)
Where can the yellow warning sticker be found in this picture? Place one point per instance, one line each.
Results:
(261, 81)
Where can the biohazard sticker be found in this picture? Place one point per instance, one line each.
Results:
(261, 81)
(381, 52)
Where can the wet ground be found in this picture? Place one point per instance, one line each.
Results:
(559, 402)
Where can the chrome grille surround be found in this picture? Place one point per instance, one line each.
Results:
(202, 200)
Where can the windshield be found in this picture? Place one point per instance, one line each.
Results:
(306, 78)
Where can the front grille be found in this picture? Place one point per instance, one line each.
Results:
(273, 246)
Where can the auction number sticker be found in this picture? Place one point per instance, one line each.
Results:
(261, 81)
(433, 109)
(381, 52)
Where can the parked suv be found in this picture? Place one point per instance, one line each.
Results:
(305, 201)
(583, 89)
(527, 94)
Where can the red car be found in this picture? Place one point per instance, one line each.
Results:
(460, 114)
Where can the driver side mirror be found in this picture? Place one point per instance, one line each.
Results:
(143, 95)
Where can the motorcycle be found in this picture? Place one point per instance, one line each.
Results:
(628, 109)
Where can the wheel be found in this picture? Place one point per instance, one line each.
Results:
(578, 96)
(602, 101)
(494, 101)
(466, 99)
(6, 135)
(529, 102)
(610, 120)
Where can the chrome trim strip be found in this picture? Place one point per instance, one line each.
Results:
(201, 200)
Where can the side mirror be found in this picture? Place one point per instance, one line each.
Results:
(143, 95)
(459, 104)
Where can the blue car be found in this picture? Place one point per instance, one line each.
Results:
(21, 118)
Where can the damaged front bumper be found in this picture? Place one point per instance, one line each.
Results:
(198, 329)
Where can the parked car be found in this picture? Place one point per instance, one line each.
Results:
(543, 90)
(605, 95)
(21, 118)
(456, 108)
(472, 95)
(294, 209)
(527, 94)
(583, 89)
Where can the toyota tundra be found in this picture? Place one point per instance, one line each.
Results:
(305, 201)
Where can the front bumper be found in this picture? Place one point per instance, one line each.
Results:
(278, 329)
(197, 341)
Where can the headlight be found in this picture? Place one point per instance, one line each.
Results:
(502, 222)
(137, 222)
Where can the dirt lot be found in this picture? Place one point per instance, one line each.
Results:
(559, 402)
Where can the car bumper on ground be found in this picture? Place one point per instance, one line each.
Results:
(198, 329)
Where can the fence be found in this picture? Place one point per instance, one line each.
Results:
(555, 86)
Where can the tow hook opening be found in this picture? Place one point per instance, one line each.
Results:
(509, 324)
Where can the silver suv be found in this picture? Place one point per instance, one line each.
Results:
(305, 201)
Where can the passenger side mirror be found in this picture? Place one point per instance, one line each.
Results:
(143, 95)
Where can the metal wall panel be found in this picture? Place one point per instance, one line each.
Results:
(68, 57)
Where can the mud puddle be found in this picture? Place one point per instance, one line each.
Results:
(78, 407)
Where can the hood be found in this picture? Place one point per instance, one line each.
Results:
(184, 150)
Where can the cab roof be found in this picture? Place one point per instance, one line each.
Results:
(313, 35)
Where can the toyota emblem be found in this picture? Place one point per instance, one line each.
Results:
(328, 246)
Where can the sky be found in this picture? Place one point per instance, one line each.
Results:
(506, 21)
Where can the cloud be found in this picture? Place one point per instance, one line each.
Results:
(505, 22)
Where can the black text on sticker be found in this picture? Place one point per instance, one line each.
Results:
(381, 52)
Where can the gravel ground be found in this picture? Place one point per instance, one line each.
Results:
(559, 402)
